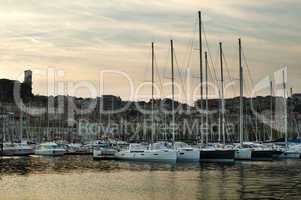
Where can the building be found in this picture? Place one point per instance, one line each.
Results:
(109, 102)
(10, 88)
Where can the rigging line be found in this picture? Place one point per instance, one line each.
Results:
(250, 78)
(258, 107)
(249, 83)
(187, 64)
(248, 69)
(189, 53)
(147, 67)
(211, 73)
(210, 77)
(212, 69)
(158, 75)
(229, 74)
(166, 65)
(191, 43)
(179, 72)
(227, 68)
(209, 53)
(187, 59)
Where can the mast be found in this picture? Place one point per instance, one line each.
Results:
(109, 117)
(201, 70)
(256, 125)
(241, 110)
(285, 108)
(222, 94)
(271, 107)
(173, 91)
(153, 56)
(2, 130)
(48, 122)
(206, 93)
(21, 124)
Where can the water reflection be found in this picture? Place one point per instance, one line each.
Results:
(79, 177)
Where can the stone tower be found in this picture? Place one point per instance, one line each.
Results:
(28, 77)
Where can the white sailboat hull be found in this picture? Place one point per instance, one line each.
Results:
(291, 155)
(148, 155)
(184, 154)
(104, 153)
(23, 152)
(243, 154)
(17, 150)
(50, 152)
(293, 152)
(8, 152)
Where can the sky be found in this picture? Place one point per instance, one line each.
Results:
(82, 39)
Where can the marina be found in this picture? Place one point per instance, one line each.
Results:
(161, 99)
(159, 151)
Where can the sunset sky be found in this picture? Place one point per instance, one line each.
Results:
(84, 37)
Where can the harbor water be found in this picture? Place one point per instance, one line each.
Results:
(79, 177)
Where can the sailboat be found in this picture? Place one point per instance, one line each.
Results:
(154, 151)
(218, 152)
(184, 151)
(241, 152)
(251, 150)
(17, 149)
(50, 149)
(20, 148)
(139, 152)
(104, 151)
(290, 151)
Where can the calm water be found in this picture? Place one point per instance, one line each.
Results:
(79, 177)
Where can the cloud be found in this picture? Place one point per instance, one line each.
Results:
(83, 37)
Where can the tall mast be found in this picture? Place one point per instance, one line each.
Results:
(173, 91)
(21, 123)
(2, 130)
(241, 110)
(201, 54)
(271, 107)
(256, 125)
(285, 107)
(222, 93)
(153, 56)
(206, 76)
(201, 70)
